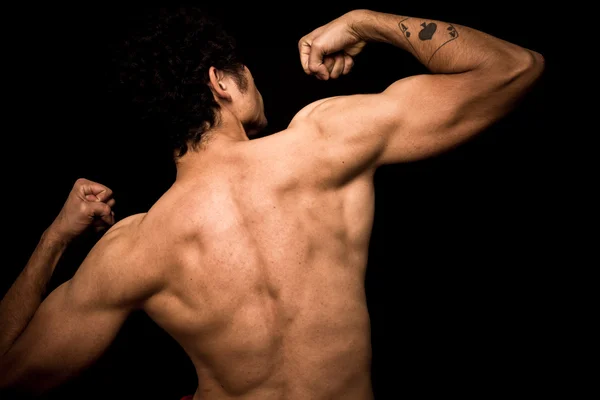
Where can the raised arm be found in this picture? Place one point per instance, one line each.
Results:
(88, 204)
(475, 80)
(77, 322)
(45, 344)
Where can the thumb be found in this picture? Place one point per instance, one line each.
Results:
(100, 210)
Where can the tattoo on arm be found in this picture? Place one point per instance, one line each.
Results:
(426, 33)
(407, 34)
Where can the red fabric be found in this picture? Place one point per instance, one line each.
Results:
(190, 397)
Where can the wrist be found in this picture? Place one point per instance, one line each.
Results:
(373, 26)
(360, 21)
(54, 239)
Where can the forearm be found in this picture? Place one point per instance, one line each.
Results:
(25, 295)
(440, 46)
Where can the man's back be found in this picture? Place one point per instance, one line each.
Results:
(266, 288)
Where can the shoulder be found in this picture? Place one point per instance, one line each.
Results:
(324, 109)
(118, 242)
(117, 268)
(306, 112)
(125, 227)
(346, 114)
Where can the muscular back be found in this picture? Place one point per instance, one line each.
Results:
(265, 285)
(265, 243)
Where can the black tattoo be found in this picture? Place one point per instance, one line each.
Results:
(406, 32)
(453, 35)
(427, 31)
(404, 29)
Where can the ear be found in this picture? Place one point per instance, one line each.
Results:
(218, 84)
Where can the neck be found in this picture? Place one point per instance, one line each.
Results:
(228, 129)
(217, 141)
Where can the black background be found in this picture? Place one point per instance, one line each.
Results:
(461, 282)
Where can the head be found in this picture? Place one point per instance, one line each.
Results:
(184, 72)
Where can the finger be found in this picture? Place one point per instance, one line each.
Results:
(111, 202)
(87, 187)
(316, 60)
(338, 66)
(304, 49)
(109, 219)
(329, 62)
(102, 192)
(102, 224)
(100, 210)
(348, 64)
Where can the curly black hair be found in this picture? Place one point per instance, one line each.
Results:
(163, 65)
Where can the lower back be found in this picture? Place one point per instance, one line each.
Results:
(259, 350)
(307, 337)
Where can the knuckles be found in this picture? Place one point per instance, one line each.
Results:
(80, 182)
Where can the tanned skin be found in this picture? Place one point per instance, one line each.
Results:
(254, 260)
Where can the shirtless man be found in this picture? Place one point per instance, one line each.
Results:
(254, 260)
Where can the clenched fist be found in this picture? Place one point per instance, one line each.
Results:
(328, 51)
(88, 204)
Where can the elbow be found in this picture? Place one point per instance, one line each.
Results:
(534, 64)
(538, 61)
(527, 67)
